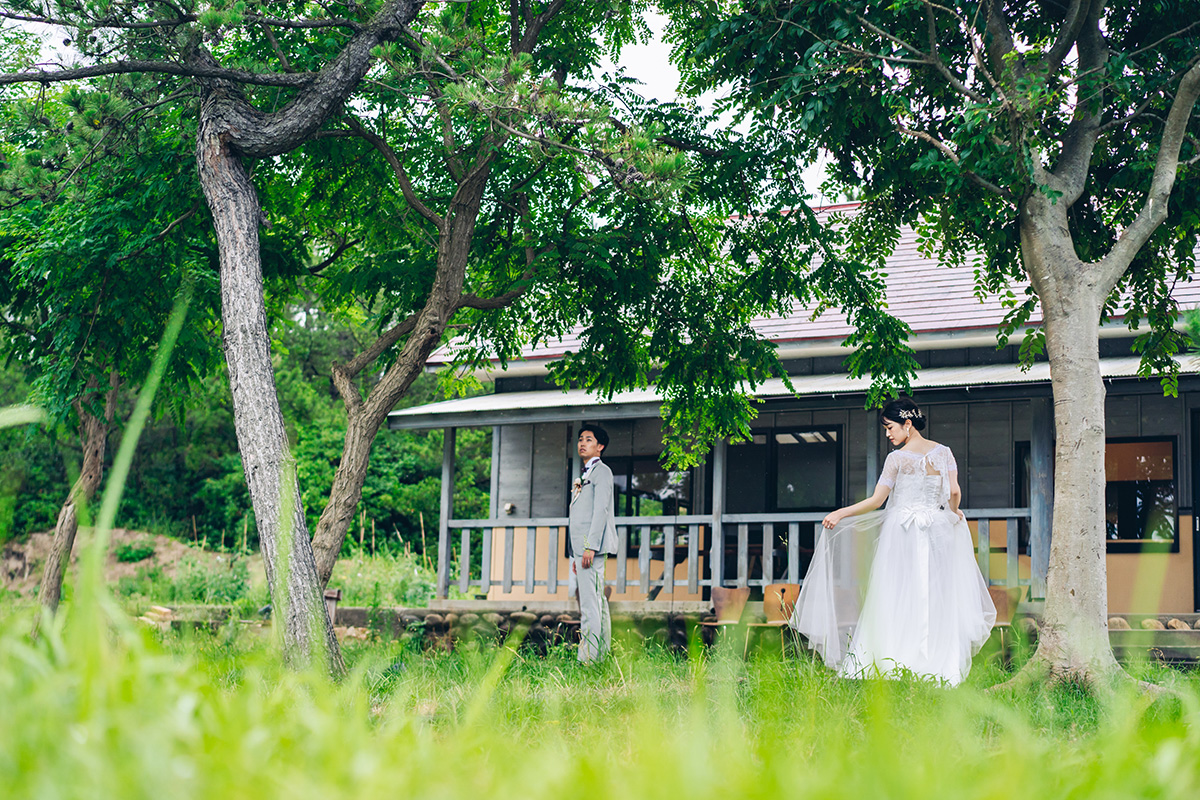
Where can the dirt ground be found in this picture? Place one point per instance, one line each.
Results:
(21, 562)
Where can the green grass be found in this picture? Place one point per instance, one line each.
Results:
(98, 707)
(101, 707)
(383, 579)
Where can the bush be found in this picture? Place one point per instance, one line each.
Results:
(383, 579)
(197, 582)
(132, 552)
(223, 582)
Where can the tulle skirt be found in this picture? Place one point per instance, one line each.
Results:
(896, 592)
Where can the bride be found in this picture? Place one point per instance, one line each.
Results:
(926, 609)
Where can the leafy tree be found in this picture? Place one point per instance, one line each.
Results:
(445, 163)
(95, 252)
(1057, 141)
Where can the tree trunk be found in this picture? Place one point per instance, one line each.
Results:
(1073, 639)
(365, 418)
(93, 435)
(296, 595)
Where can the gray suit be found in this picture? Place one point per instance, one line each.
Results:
(593, 527)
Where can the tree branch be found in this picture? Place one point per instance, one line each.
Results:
(1154, 211)
(406, 188)
(534, 30)
(342, 247)
(930, 59)
(1077, 14)
(355, 365)
(164, 233)
(283, 60)
(260, 135)
(945, 150)
(104, 22)
(298, 79)
(1079, 140)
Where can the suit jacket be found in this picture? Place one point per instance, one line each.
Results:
(593, 525)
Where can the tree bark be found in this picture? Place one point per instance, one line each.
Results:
(230, 129)
(1073, 639)
(364, 418)
(93, 435)
(296, 595)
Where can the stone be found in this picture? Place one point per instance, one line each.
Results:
(468, 619)
(1118, 624)
(1178, 625)
(350, 632)
(452, 619)
(492, 618)
(523, 618)
(566, 618)
(1153, 624)
(547, 619)
(434, 619)
(1197, 625)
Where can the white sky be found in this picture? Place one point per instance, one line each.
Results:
(650, 64)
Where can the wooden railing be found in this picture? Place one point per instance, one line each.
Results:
(1012, 517)
(766, 548)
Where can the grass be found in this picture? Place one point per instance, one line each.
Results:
(383, 578)
(98, 707)
(228, 578)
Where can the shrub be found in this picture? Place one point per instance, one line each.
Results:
(132, 552)
(383, 579)
(225, 581)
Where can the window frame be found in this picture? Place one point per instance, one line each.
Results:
(1122, 546)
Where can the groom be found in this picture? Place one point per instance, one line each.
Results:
(593, 538)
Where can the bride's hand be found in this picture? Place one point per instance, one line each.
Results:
(832, 518)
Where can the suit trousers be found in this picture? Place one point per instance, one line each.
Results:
(595, 626)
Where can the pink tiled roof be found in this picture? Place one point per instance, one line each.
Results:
(930, 297)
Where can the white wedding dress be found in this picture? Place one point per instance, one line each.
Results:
(898, 591)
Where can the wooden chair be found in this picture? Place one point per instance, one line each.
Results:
(779, 599)
(728, 605)
(1006, 599)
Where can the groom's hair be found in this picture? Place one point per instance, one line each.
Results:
(600, 434)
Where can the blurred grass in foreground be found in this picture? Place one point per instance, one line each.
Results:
(98, 708)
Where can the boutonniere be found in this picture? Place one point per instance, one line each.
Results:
(578, 485)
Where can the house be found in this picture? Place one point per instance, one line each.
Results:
(750, 514)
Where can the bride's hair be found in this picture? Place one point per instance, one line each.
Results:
(902, 410)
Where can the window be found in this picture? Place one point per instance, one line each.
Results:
(644, 488)
(785, 469)
(808, 472)
(1141, 499)
(1022, 496)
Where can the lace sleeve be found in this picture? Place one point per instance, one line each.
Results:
(951, 464)
(890, 468)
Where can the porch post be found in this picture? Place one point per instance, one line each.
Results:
(443, 564)
(494, 490)
(872, 450)
(716, 538)
(1041, 492)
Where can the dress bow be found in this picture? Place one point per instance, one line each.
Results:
(914, 518)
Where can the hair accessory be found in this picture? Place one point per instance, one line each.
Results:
(911, 414)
